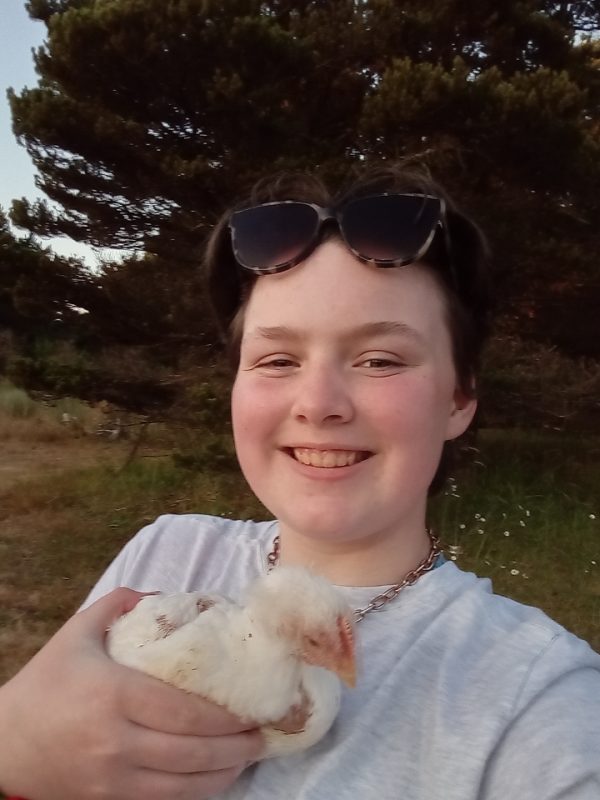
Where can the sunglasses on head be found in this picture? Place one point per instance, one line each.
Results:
(389, 230)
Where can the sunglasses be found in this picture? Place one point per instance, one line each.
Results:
(389, 230)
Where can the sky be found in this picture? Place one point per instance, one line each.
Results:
(18, 35)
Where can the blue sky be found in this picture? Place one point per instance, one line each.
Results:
(18, 35)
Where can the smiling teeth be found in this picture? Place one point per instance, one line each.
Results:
(326, 458)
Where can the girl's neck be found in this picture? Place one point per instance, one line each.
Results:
(378, 560)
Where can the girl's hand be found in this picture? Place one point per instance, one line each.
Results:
(75, 725)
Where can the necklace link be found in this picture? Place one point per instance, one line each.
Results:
(380, 600)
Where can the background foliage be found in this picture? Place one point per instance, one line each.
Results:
(150, 117)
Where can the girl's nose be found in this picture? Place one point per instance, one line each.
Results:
(323, 396)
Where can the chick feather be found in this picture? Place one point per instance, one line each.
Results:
(276, 660)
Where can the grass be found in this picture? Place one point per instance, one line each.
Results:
(526, 513)
(15, 402)
(57, 533)
(24, 419)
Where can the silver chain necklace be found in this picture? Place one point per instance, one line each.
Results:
(390, 594)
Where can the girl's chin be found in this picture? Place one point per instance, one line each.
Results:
(333, 528)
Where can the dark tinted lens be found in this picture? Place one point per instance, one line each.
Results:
(390, 227)
(267, 236)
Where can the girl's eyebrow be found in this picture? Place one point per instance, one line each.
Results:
(369, 329)
(383, 328)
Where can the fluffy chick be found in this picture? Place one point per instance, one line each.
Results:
(277, 660)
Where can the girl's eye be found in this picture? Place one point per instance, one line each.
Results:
(276, 363)
(381, 363)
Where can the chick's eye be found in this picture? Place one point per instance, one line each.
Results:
(312, 642)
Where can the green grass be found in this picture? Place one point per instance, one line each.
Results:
(57, 534)
(525, 512)
(15, 402)
(24, 418)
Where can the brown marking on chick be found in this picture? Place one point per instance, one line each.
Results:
(204, 603)
(165, 626)
(296, 717)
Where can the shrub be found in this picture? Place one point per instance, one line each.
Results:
(525, 383)
(15, 402)
(57, 366)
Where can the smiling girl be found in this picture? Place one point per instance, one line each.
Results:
(355, 321)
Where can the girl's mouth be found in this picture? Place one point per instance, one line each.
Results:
(327, 459)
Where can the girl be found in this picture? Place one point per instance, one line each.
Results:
(355, 321)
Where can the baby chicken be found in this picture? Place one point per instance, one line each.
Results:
(276, 660)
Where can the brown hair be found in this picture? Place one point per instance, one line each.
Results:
(465, 282)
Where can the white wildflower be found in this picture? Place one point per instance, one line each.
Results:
(514, 572)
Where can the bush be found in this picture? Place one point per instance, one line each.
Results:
(529, 384)
(15, 402)
(57, 366)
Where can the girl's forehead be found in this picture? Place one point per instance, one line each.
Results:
(332, 286)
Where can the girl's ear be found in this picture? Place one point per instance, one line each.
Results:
(461, 414)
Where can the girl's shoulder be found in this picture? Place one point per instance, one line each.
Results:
(185, 531)
(190, 552)
(499, 635)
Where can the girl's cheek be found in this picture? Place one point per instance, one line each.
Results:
(252, 401)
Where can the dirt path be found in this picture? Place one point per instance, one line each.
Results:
(22, 461)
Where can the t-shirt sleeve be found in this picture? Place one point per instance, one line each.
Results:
(188, 552)
(551, 748)
(120, 572)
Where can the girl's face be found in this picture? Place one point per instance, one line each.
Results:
(345, 394)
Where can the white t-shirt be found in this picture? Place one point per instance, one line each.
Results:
(461, 694)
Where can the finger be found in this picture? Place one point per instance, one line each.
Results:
(101, 614)
(151, 703)
(154, 785)
(189, 754)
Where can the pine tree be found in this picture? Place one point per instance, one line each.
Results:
(39, 291)
(150, 117)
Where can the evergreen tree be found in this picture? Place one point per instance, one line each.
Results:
(150, 116)
(40, 293)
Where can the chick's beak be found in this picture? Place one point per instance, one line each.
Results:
(345, 663)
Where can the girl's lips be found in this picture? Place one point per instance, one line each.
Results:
(326, 458)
